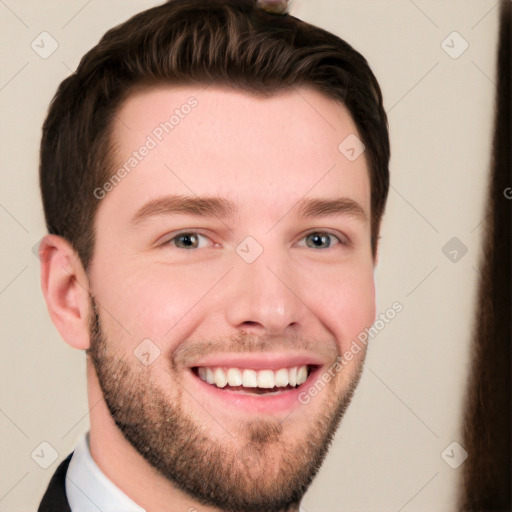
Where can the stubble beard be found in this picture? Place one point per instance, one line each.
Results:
(256, 469)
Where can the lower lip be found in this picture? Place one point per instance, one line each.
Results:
(260, 404)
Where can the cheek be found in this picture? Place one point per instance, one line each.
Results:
(347, 309)
(149, 303)
(346, 304)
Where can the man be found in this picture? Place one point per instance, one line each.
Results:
(213, 179)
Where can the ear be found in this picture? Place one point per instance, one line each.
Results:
(66, 290)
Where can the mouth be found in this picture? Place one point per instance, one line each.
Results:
(249, 384)
(253, 381)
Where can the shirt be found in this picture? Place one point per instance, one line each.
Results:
(89, 490)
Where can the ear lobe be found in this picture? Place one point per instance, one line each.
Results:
(66, 290)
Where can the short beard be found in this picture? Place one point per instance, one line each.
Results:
(264, 474)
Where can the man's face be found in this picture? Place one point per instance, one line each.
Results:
(237, 249)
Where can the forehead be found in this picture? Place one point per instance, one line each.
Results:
(223, 142)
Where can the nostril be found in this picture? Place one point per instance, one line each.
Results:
(250, 323)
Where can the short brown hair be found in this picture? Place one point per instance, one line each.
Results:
(224, 42)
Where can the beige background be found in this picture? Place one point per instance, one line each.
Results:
(387, 454)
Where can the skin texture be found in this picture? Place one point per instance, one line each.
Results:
(295, 300)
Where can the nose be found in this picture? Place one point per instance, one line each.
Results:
(265, 297)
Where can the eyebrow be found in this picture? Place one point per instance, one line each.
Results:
(223, 208)
(185, 205)
(326, 207)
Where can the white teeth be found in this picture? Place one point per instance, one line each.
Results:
(292, 376)
(234, 377)
(219, 377)
(302, 375)
(281, 378)
(266, 379)
(250, 379)
(247, 378)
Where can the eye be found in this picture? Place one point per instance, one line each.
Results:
(322, 240)
(188, 240)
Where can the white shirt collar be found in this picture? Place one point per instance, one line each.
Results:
(89, 490)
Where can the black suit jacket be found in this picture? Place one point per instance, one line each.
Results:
(55, 499)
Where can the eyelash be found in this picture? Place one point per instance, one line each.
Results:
(342, 241)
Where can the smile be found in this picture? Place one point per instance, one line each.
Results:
(253, 383)
(256, 380)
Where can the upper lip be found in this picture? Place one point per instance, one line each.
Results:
(258, 361)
